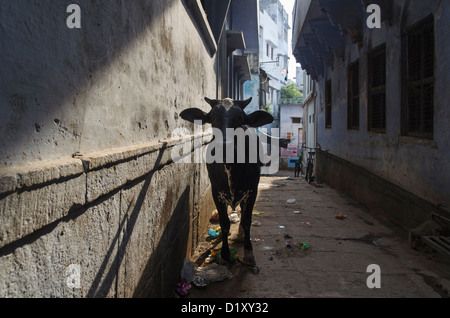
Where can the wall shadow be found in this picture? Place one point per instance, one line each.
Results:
(103, 283)
(47, 68)
(164, 266)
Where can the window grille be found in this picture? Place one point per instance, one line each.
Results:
(377, 90)
(420, 87)
(328, 103)
(353, 96)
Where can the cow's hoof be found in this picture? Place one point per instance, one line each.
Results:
(223, 262)
(224, 257)
(249, 258)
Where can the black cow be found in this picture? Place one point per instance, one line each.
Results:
(234, 183)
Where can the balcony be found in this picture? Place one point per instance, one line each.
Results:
(323, 27)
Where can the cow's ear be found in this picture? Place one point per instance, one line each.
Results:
(212, 102)
(194, 114)
(243, 103)
(259, 118)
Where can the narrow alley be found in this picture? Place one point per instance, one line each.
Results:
(343, 239)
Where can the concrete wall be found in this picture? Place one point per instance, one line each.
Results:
(376, 193)
(419, 166)
(120, 80)
(87, 177)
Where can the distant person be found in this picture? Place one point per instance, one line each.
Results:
(298, 165)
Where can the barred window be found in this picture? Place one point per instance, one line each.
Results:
(353, 96)
(377, 90)
(328, 103)
(420, 80)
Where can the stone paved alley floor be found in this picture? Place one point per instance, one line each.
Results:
(340, 250)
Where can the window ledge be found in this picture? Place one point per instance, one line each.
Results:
(418, 141)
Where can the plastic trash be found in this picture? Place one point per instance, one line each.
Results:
(214, 216)
(188, 270)
(199, 281)
(234, 218)
(341, 216)
(213, 233)
(297, 212)
(291, 201)
(256, 223)
(257, 212)
(303, 246)
(183, 287)
(215, 251)
(233, 254)
(210, 274)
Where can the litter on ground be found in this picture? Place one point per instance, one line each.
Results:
(257, 212)
(340, 216)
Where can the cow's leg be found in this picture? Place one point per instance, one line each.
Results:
(222, 209)
(246, 222)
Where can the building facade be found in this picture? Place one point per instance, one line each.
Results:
(381, 113)
(299, 78)
(291, 127)
(309, 110)
(274, 58)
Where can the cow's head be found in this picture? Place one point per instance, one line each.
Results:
(227, 113)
